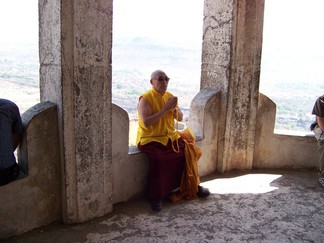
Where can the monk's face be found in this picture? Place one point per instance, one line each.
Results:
(160, 82)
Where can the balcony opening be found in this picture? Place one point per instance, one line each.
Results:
(292, 61)
(150, 35)
(19, 58)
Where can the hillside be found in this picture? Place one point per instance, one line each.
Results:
(135, 59)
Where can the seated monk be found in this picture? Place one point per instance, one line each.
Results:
(170, 167)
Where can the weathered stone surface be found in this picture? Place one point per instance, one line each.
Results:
(129, 169)
(256, 206)
(279, 150)
(75, 56)
(34, 199)
(203, 120)
(231, 62)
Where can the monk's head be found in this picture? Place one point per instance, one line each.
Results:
(159, 81)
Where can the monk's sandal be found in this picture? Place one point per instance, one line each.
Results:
(203, 192)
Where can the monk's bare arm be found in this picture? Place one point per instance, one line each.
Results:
(145, 111)
(178, 116)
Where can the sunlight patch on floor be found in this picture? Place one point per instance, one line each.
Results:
(250, 183)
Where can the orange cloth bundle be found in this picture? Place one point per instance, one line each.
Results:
(190, 179)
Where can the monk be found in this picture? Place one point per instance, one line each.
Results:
(158, 139)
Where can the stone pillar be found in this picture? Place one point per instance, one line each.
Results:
(75, 56)
(231, 57)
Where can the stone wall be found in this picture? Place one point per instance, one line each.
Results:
(35, 198)
(75, 45)
(129, 169)
(278, 150)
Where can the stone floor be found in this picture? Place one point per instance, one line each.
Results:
(257, 206)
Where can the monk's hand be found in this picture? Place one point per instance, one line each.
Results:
(171, 103)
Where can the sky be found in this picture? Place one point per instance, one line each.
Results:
(177, 20)
(290, 26)
(296, 24)
(144, 18)
(165, 20)
(293, 39)
(19, 20)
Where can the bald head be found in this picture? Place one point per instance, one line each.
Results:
(159, 81)
(157, 73)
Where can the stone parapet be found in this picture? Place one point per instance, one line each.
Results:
(34, 199)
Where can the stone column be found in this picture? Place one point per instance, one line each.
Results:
(75, 56)
(231, 57)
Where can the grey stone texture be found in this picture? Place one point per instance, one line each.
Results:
(34, 199)
(256, 206)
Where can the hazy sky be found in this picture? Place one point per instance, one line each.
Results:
(177, 20)
(293, 38)
(290, 26)
(296, 24)
(18, 20)
(168, 20)
(164, 19)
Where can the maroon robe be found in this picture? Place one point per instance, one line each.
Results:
(165, 168)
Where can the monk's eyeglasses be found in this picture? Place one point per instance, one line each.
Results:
(161, 78)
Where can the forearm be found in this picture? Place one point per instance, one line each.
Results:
(320, 122)
(148, 118)
(177, 114)
(152, 119)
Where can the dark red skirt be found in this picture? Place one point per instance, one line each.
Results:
(165, 168)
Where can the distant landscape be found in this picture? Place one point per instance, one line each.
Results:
(135, 59)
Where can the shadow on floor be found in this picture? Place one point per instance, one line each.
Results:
(245, 206)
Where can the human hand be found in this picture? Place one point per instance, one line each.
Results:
(171, 103)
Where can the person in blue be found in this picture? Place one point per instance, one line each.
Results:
(11, 130)
(318, 128)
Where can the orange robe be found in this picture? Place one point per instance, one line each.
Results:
(190, 179)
